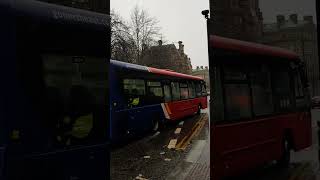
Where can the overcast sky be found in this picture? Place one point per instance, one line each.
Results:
(182, 19)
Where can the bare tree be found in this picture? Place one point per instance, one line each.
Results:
(144, 30)
(122, 44)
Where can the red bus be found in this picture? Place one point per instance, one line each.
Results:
(143, 98)
(260, 108)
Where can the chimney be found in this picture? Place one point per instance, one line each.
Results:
(201, 67)
(181, 47)
(280, 20)
(294, 18)
(160, 42)
(308, 19)
(197, 67)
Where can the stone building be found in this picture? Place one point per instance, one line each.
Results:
(238, 19)
(203, 73)
(166, 57)
(101, 6)
(299, 36)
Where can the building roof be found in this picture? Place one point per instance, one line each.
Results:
(217, 42)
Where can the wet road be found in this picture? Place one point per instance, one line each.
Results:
(150, 158)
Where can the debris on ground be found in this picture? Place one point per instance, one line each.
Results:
(167, 159)
(146, 157)
(162, 153)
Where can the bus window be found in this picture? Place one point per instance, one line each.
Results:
(261, 91)
(184, 91)
(192, 90)
(134, 87)
(167, 93)
(155, 89)
(74, 90)
(237, 100)
(175, 91)
(133, 90)
(281, 91)
(237, 94)
(299, 94)
(203, 89)
(298, 86)
(198, 89)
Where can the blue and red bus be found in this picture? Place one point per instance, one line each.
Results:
(261, 106)
(54, 92)
(143, 98)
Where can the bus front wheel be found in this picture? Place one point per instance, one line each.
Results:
(284, 161)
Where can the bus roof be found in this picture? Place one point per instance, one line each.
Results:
(51, 28)
(217, 42)
(51, 13)
(135, 67)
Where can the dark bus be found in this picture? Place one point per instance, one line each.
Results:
(54, 94)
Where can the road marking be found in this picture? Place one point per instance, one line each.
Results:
(182, 145)
(178, 130)
(172, 143)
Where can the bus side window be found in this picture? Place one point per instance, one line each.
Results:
(155, 93)
(281, 91)
(167, 93)
(184, 91)
(134, 89)
(236, 94)
(175, 91)
(198, 89)
(298, 90)
(261, 91)
(192, 90)
(203, 89)
(298, 86)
